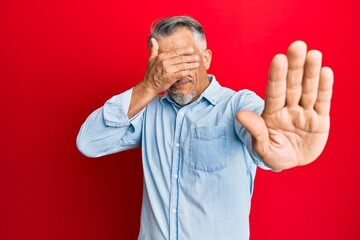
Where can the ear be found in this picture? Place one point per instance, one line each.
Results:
(206, 57)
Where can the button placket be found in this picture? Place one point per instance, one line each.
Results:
(174, 189)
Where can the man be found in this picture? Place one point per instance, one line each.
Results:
(201, 142)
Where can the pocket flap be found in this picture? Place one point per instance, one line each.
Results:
(209, 133)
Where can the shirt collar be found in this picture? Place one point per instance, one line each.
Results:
(211, 93)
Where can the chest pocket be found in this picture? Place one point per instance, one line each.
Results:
(208, 149)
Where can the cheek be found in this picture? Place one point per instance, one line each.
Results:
(203, 66)
(201, 72)
(196, 73)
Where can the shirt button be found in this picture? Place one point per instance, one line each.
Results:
(176, 176)
(177, 145)
(173, 210)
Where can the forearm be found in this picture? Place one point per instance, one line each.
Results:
(141, 96)
(108, 129)
(95, 139)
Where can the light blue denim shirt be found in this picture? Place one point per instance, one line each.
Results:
(199, 166)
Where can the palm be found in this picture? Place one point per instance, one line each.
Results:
(294, 126)
(296, 135)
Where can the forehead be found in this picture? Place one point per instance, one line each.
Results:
(180, 38)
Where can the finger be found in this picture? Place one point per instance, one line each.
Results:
(181, 74)
(182, 67)
(154, 48)
(276, 87)
(311, 79)
(322, 104)
(296, 61)
(177, 52)
(256, 126)
(183, 59)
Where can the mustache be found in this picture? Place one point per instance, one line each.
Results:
(185, 80)
(180, 81)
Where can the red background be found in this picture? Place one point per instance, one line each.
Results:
(59, 60)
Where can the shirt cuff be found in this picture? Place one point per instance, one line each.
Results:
(116, 108)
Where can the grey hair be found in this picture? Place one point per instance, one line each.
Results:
(167, 26)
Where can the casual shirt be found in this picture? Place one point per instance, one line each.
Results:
(198, 162)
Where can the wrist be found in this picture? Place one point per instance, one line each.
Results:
(145, 89)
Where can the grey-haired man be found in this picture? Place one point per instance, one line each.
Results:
(201, 142)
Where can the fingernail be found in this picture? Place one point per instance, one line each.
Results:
(191, 49)
(196, 64)
(196, 57)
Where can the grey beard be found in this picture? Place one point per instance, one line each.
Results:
(179, 98)
(182, 99)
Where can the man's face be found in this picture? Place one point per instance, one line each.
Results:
(187, 90)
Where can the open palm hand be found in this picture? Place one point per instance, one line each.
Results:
(294, 127)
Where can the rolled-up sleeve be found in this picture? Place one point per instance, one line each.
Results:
(248, 100)
(109, 130)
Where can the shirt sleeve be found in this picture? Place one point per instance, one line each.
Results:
(248, 100)
(109, 130)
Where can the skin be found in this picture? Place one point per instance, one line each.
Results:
(172, 58)
(294, 127)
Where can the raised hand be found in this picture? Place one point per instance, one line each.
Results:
(164, 69)
(294, 127)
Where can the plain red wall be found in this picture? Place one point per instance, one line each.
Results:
(60, 60)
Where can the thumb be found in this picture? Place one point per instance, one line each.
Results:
(154, 48)
(257, 128)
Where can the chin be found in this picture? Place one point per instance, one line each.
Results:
(183, 99)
